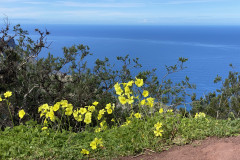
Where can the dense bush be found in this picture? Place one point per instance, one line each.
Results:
(224, 102)
(35, 81)
(111, 111)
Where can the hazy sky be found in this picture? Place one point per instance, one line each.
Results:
(150, 12)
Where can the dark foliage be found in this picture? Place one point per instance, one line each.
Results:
(35, 81)
(224, 102)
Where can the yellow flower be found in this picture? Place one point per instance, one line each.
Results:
(7, 94)
(122, 100)
(93, 145)
(169, 110)
(75, 113)
(102, 111)
(117, 85)
(108, 106)
(44, 128)
(43, 108)
(83, 110)
(76, 116)
(79, 118)
(84, 151)
(127, 90)
(97, 130)
(113, 106)
(158, 132)
(69, 110)
(88, 118)
(21, 113)
(112, 120)
(98, 141)
(91, 108)
(124, 84)
(88, 114)
(145, 93)
(139, 82)
(130, 100)
(56, 106)
(130, 83)
(143, 102)
(64, 103)
(109, 111)
(150, 101)
(161, 110)
(137, 115)
(158, 125)
(95, 103)
(119, 91)
(0, 99)
(51, 115)
(102, 123)
(126, 123)
(99, 116)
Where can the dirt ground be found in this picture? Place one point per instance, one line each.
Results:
(209, 149)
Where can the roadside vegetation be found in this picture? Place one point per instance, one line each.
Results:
(59, 108)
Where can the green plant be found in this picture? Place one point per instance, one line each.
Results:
(224, 103)
(35, 81)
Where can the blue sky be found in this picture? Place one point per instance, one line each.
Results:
(129, 12)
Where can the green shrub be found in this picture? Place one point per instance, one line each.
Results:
(35, 81)
(224, 102)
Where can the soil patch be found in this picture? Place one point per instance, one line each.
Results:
(213, 148)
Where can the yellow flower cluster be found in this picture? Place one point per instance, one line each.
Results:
(149, 101)
(96, 142)
(47, 111)
(8, 94)
(87, 112)
(126, 96)
(109, 109)
(79, 114)
(200, 115)
(158, 131)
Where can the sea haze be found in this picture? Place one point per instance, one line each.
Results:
(209, 49)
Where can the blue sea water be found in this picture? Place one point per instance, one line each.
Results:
(209, 49)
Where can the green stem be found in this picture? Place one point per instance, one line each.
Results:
(58, 126)
(10, 111)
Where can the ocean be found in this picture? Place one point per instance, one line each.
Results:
(209, 49)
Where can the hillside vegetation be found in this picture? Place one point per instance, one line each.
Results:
(59, 108)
